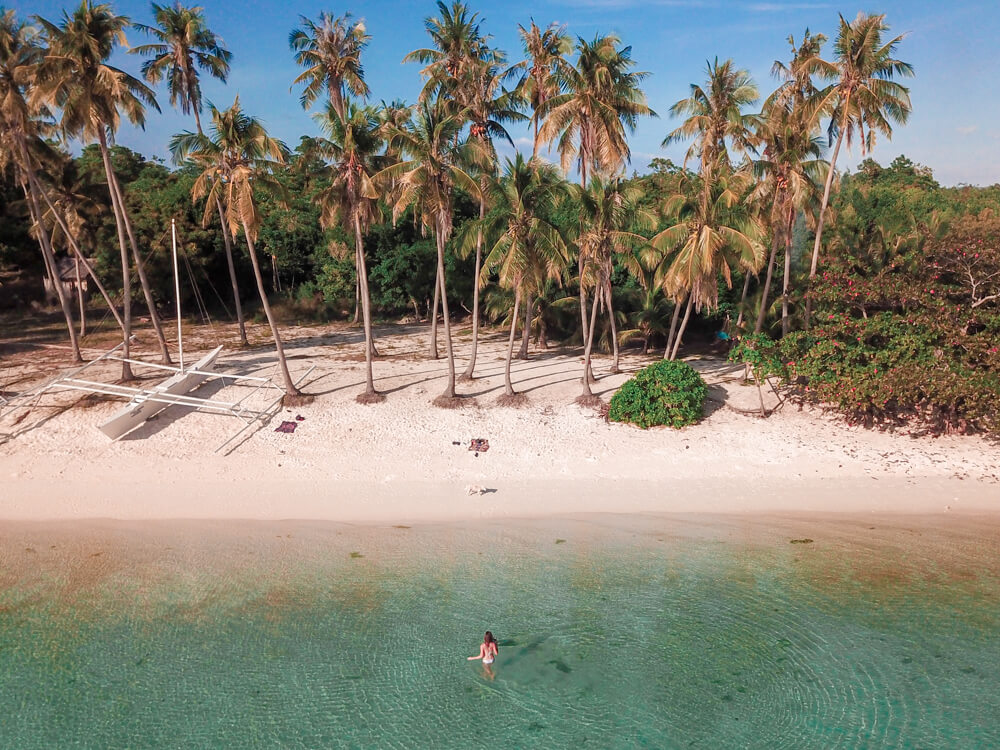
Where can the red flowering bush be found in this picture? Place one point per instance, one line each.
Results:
(916, 342)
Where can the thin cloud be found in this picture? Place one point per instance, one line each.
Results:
(967, 129)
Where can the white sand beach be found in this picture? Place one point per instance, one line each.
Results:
(407, 460)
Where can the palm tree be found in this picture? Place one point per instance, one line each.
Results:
(432, 166)
(92, 97)
(716, 123)
(790, 168)
(715, 120)
(184, 45)
(20, 55)
(863, 101)
(544, 67)
(72, 212)
(330, 52)
(238, 160)
(489, 106)
(601, 102)
(526, 248)
(709, 237)
(456, 43)
(794, 99)
(611, 209)
(351, 200)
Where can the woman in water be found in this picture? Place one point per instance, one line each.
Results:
(488, 650)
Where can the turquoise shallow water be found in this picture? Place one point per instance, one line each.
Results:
(614, 632)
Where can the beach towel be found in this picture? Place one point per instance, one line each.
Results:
(286, 427)
(479, 445)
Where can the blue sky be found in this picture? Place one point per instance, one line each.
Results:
(954, 128)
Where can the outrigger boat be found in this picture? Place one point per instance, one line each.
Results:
(145, 403)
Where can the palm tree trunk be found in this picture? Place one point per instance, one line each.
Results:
(614, 327)
(290, 389)
(79, 297)
(79, 253)
(470, 370)
(675, 318)
(587, 393)
(743, 301)
(357, 293)
(116, 190)
(45, 244)
(822, 209)
(232, 270)
(762, 310)
(786, 322)
(522, 353)
(508, 388)
(365, 309)
(126, 272)
(449, 391)
(433, 352)
(680, 332)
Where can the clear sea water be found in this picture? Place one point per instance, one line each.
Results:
(615, 632)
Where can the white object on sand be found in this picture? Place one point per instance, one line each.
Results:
(173, 390)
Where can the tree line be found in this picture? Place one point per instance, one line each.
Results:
(561, 249)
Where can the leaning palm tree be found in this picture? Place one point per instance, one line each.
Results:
(354, 143)
(611, 211)
(432, 167)
(236, 161)
(708, 237)
(330, 52)
(184, 45)
(20, 55)
(73, 211)
(862, 101)
(544, 68)
(92, 96)
(600, 104)
(526, 248)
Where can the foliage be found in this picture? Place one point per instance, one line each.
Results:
(916, 341)
(665, 393)
(762, 354)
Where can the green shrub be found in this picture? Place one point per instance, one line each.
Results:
(665, 393)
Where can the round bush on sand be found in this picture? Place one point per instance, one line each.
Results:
(665, 393)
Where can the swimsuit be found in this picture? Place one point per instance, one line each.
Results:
(490, 654)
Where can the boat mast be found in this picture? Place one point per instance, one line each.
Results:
(177, 293)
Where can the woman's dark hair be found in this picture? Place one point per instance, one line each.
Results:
(488, 639)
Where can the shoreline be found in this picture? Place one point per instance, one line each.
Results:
(436, 502)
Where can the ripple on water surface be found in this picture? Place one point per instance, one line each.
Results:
(614, 632)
